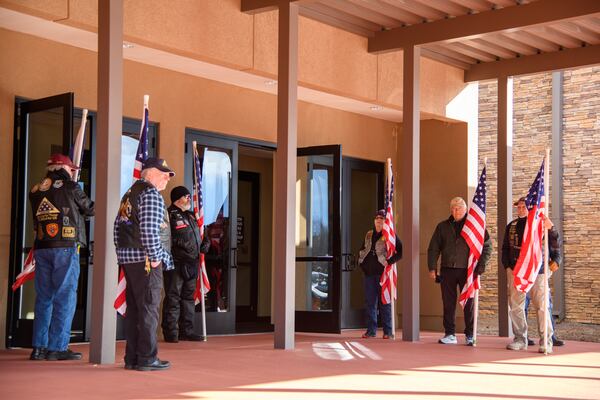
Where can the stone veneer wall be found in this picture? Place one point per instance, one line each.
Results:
(532, 124)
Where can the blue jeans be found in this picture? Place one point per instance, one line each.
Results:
(56, 277)
(373, 300)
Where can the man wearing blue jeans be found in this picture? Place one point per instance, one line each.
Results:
(59, 209)
(373, 260)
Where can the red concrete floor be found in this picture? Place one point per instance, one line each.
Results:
(331, 367)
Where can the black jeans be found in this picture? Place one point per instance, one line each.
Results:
(453, 280)
(141, 318)
(178, 305)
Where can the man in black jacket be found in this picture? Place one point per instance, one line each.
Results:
(448, 241)
(180, 283)
(59, 208)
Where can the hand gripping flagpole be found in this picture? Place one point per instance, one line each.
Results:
(476, 299)
(546, 246)
(200, 273)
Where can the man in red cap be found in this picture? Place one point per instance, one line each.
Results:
(59, 208)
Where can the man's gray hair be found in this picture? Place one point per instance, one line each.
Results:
(457, 202)
(145, 172)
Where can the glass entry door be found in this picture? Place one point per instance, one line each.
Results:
(219, 162)
(318, 244)
(43, 127)
(362, 196)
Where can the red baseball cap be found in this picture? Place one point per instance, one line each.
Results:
(61, 159)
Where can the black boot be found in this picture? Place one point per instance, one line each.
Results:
(38, 353)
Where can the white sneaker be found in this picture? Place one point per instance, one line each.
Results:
(543, 350)
(517, 345)
(448, 339)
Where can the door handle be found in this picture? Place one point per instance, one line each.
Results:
(348, 262)
(234, 260)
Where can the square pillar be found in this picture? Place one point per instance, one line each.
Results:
(108, 173)
(285, 177)
(410, 194)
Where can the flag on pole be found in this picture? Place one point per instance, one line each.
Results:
(474, 234)
(28, 272)
(531, 255)
(142, 150)
(202, 287)
(389, 278)
(141, 155)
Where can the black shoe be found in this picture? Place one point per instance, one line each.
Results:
(530, 342)
(63, 355)
(171, 339)
(557, 342)
(192, 337)
(157, 365)
(38, 353)
(130, 366)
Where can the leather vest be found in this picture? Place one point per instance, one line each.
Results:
(516, 229)
(380, 249)
(129, 219)
(55, 214)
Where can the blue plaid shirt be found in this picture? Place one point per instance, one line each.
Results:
(151, 216)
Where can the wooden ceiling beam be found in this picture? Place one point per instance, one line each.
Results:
(446, 7)
(492, 48)
(565, 59)
(478, 25)
(406, 17)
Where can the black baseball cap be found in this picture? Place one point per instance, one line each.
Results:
(380, 213)
(159, 164)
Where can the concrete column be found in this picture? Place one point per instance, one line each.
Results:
(556, 204)
(285, 176)
(108, 172)
(410, 194)
(505, 200)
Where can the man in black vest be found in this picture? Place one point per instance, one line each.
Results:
(59, 208)
(143, 240)
(180, 283)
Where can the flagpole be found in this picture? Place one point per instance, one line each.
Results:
(391, 271)
(200, 273)
(78, 145)
(546, 270)
(476, 299)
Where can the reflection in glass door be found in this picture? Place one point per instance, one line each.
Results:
(218, 158)
(318, 246)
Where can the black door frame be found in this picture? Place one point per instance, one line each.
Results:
(218, 322)
(325, 321)
(18, 331)
(354, 318)
(254, 179)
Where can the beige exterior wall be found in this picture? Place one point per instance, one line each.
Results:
(330, 60)
(31, 67)
(444, 175)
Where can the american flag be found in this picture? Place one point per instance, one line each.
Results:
(141, 155)
(530, 258)
(202, 287)
(28, 272)
(474, 233)
(389, 278)
(142, 150)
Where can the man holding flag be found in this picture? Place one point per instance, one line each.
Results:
(142, 237)
(59, 208)
(512, 245)
(449, 242)
(373, 259)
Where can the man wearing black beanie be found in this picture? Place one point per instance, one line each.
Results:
(178, 305)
